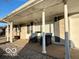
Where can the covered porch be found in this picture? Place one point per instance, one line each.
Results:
(44, 16)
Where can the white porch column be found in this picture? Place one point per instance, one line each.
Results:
(67, 48)
(43, 32)
(7, 32)
(11, 32)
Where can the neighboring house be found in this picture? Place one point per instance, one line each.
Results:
(46, 16)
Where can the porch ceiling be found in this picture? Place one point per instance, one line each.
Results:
(33, 13)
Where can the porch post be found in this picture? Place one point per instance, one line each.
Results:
(43, 32)
(67, 48)
(11, 32)
(7, 32)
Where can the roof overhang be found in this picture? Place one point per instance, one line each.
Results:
(31, 11)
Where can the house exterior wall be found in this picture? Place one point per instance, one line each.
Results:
(57, 29)
(14, 31)
(74, 30)
(36, 28)
(23, 32)
(61, 29)
(18, 31)
(50, 27)
(7, 30)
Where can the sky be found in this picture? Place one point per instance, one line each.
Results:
(7, 6)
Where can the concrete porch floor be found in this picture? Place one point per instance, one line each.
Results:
(52, 50)
(25, 48)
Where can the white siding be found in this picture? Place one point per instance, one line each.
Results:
(74, 30)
